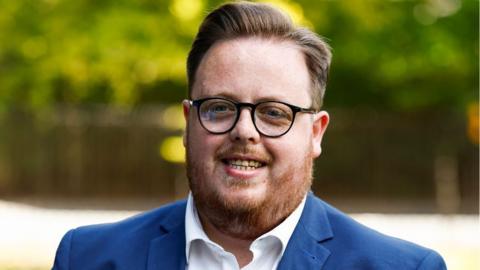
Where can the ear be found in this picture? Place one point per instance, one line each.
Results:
(320, 123)
(186, 113)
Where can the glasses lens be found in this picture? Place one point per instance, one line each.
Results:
(217, 115)
(273, 118)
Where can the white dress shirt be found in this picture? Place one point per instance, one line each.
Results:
(202, 253)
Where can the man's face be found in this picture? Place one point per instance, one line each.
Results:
(279, 173)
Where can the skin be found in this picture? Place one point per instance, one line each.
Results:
(237, 206)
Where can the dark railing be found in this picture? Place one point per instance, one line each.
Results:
(423, 160)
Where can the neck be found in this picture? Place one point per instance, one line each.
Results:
(240, 248)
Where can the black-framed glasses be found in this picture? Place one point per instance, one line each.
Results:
(270, 118)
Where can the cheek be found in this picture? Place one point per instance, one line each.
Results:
(202, 145)
(294, 146)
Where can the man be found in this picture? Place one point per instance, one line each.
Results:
(254, 126)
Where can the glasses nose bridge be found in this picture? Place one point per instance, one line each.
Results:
(242, 105)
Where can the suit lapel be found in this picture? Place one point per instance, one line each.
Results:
(305, 249)
(168, 250)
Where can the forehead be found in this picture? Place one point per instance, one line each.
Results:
(254, 69)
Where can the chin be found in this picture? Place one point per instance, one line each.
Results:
(243, 197)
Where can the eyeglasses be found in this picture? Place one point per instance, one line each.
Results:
(270, 118)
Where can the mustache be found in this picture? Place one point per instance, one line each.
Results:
(244, 150)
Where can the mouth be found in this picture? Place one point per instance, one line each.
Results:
(243, 164)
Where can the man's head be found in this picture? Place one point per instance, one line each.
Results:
(244, 19)
(246, 170)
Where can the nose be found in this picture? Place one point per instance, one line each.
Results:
(244, 129)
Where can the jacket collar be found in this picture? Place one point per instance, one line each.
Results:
(168, 250)
(305, 249)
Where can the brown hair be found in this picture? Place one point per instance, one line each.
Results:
(244, 19)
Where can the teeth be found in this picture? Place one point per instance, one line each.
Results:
(244, 164)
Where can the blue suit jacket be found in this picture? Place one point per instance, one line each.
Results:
(324, 238)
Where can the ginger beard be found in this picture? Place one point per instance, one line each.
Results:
(248, 219)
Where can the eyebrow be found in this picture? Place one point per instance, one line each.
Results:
(233, 98)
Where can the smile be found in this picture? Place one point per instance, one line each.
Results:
(245, 165)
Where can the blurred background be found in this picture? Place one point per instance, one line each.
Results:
(91, 119)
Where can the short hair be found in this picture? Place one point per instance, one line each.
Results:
(244, 19)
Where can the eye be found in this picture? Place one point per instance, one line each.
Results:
(274, 111)
(219, 107)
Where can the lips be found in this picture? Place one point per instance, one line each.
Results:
(242, 161)
(242, 164)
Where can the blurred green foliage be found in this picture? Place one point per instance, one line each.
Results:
(399, 55)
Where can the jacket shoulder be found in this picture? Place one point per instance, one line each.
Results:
(356, 246)
(125, 242)
(150, 220)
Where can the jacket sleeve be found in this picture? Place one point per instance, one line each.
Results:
(433, 261)
(62, 257)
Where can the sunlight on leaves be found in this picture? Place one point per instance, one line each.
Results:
(172, 150)
(172, 118)
(186, 10)
(294, 10)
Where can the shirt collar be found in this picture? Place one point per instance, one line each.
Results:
(194, 229)
(284, 230)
